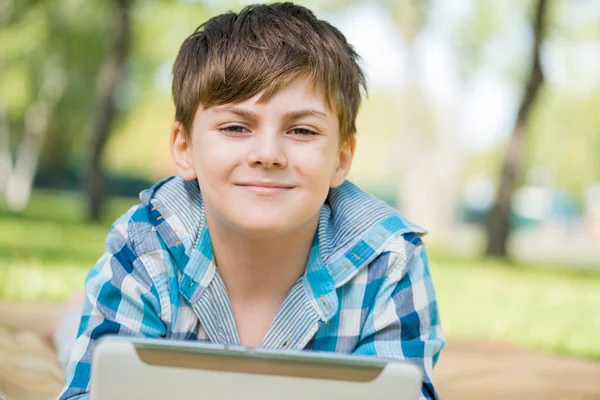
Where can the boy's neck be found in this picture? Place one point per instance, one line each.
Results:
(260, 268)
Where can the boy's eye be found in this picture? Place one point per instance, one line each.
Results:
(303, 132)
(233, 129)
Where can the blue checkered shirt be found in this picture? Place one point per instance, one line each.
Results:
(367, 288)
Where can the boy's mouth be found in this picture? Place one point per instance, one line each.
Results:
(265, 187)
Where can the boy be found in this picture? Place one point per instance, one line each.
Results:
(259, 240)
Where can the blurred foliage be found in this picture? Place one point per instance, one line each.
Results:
(564, 129)
(565, 139)
(73, 34)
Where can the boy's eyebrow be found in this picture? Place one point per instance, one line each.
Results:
(254, 116)
(309, 112)
(237, 110)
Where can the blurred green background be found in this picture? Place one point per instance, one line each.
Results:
(85, 112)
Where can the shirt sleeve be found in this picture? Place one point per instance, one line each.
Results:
(403, 322)
(121, 299)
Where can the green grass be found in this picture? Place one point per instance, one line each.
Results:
(46, 252)
(535, 306)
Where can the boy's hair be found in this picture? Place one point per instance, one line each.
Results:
(232, 57)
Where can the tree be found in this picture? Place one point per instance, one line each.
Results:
(49, 54)
(426, 157)
(498, 224)
(430, 155)
(17, 178)
(108, 79)
(24, 117)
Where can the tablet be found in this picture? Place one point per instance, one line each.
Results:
(132, 368)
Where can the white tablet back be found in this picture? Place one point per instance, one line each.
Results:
(159, 369)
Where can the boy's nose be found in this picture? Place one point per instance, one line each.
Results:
(267, 152)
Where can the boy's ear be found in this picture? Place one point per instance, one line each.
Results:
(345, 156)
(181, 151)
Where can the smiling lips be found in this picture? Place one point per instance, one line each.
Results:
(265, 188)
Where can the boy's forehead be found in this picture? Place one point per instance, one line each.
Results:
(300, 94)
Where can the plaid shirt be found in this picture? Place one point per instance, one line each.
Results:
(367, 288)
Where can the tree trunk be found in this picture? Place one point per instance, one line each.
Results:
(499, 219)
(16, 182)
(110, 75)
(412, 192)
(5, 153)
(20, 180)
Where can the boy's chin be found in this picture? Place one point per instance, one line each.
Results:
(263, 228)
(267, 224)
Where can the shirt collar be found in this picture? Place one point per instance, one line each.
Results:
(354, 228)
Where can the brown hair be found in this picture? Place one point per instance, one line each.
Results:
(232, 57)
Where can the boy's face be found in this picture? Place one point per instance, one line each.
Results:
(265, 168)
